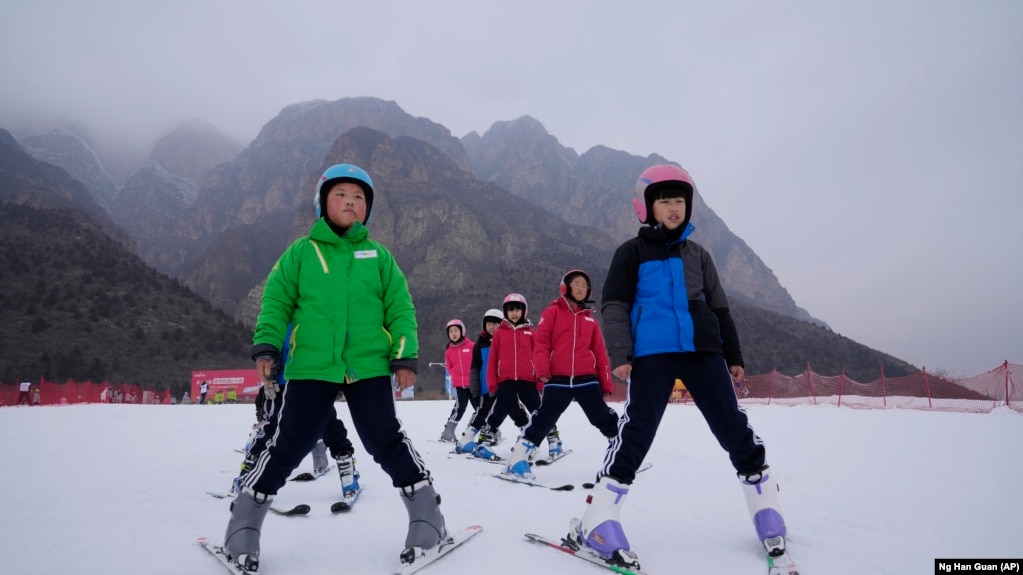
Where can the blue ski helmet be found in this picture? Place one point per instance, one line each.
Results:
(343, 173)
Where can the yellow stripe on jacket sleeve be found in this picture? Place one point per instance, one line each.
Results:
(401, 348)
(319, 254)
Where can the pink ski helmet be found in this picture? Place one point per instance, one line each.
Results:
(515, 299)
(457, 322)
(659, 177)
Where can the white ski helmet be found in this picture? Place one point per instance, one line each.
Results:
(494, 315)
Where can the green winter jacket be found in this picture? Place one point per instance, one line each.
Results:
(349, 305)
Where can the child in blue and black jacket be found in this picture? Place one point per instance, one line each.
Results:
(666, 316)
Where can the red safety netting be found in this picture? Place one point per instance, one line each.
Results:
(1002, 386)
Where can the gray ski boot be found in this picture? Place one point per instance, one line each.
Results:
(449, 432)
(241, 540)
(320, 461)
(426, 527)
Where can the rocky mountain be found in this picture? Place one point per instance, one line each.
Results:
(191, 150)
(251, 206)
(26, 181)
(150, 207)
(62, 147)
(78, 303)
(469, 220)
(594, 189)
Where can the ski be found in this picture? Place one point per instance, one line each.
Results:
(644, 467)
(218, 552)
(550, 460)
(300, 509)
(296, 511)
(781, 565)
(346, 504)
(472, 457)
(430, 555)
(516, 479)
(584, 555)
(312, 476)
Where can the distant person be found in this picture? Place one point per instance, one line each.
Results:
(186, 398)
(511, 369)
(24, 391)
(232, 395)
(470, 442)
(218, 397)
(572, 364)
(457, 361)
(665, 317)
(204, 388)
(354, 327)
(36, 398)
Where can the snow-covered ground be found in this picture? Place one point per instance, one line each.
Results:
(120, 489)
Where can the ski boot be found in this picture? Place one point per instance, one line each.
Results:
(247, 464)
(349, 476)
(599, 531)
(426, 527)
(449, 432)
(761, 492)
(320, 460)
(518, 463)
(241, 541)
(483, 452)
(489, 437)
(467, 444)
(554, 448)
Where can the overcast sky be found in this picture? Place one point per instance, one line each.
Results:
(871, 152)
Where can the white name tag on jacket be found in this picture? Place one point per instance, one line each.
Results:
(363, 254)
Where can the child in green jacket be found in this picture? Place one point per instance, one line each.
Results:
(354, 325)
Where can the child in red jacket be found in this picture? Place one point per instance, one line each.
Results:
(511, 366)
(572, 364)
(457, 360)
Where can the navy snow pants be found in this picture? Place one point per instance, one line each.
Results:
(706, 377)
(558, 393)
(304, 410)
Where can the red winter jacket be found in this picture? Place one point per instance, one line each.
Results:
(511, 354)
(569, 343)
(458, 359)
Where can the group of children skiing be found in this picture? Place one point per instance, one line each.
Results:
(337, 316)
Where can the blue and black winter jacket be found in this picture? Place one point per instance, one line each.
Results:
(663, 295)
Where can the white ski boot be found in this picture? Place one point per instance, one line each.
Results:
(426, 527)
(761, 492)
(554, 447)
(467, 444)
(349, 476)
(600, 531)
(241, 540)
(518, 462)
